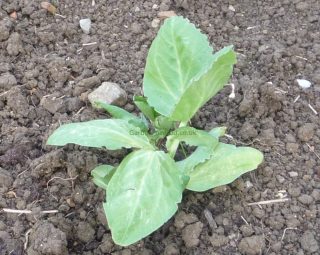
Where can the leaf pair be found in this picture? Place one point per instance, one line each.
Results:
(181, 73)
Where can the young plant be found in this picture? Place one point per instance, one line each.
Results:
(143, 192)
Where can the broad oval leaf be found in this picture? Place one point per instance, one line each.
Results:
(102, 175)
(120, 113)
(142, 195)
(179, 54)
(191, 136)
(226, 164)
(202, 90)
(109, 133)
(202, 153)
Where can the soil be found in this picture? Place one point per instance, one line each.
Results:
(46, 74)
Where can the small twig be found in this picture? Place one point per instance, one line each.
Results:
(284, 232)
(249, 28)
(61, 16)
(60, 178)
(208, 216)
(296, 99)
(88, 44)
(302, 58)
(69, 214)
(81, 109)
(25, 246)
(23, 172)
(281, 91)
(245, 221)
(312, 109)
(6, 92)
(8, 210)
(232, 94)
(311, 148)
(280, 200)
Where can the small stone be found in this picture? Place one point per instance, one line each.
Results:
(257, 212)
(280, 179)
(276, 247)
(52, 104)
(86, 84)
(136, 28)
(231, 8)
(165, 5)
(47, 239)
(101, 216)
(5, 178)
(253, 245)
(5, 27)
(292, 147)
(219, 189)
(267, 135)
(182, 219)
(7, 81)
(293, 174)
(246, 230)
(49, 7)
(155, 23)
(316, 194)
(166, 14)
(218, 240)
(85, 232)
(248, 184)
(306, 132)
(171, 249)
(182, 4)
(302, 6)
(248, 131)
(305, 199)
(155, 7)
(303, 83)
(191, 233)
(107, 245)
(110, 93)
(14, 44)
(85, 25)
(308, 242)
(294, 191)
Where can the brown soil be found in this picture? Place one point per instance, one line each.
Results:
(43, 74)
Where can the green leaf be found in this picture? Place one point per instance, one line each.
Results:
(142, 104)
(142, 195)
(201, 154)
(163, 123)
(102, 175)
(191, 136)
(180, 53)
(203, 89)
(110, 133)
(226, 164)
(120, 113)
(218, 132)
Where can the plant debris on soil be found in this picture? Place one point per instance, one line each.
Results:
(48, 66)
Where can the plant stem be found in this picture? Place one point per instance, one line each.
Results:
(173, 149)
(183, 150)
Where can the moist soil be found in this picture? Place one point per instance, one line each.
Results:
(47, 68)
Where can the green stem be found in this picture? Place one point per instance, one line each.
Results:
(173, 149)
(183, 150)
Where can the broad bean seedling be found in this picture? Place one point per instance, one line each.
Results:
(144, 190)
